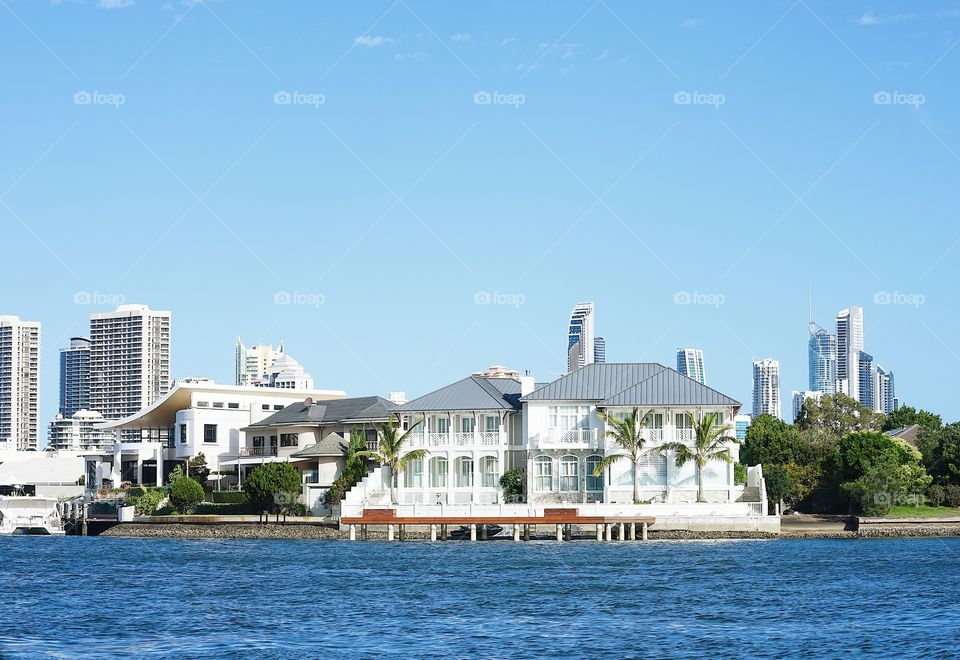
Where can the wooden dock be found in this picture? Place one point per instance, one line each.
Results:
(608, 527)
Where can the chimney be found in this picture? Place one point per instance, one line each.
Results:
(308, 402)
(526, 384)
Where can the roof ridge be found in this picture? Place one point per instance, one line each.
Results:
(484, 385)
(639, 382)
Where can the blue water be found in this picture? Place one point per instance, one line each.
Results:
(101, 597)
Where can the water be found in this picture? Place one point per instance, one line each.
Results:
(101, 597)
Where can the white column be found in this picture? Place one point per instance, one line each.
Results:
(353, 532)
(599, 532)
(433, 532)
(559, 532)
(620, 533)
(389, 532)
(644, 531)
(633, 531)
(609, 531)
(516, 532)
(115, 471)
(473, 532)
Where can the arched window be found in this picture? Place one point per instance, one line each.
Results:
(489, 471)
(464, 468)
(543, 473)
(569, 474)
(413, 474)
(438, 472)
(594, 484)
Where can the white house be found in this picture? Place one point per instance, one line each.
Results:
(565, 437)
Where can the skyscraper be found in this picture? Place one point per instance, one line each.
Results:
(865, 379)
(799, 398)
(253, 363)
(75, 377)
(741, 424)
(849, 345)
(766, 387)
(129, 360)
(884, 392)
(599, 350)
(822, 360)
(690, 363)
(19, 382)
(580, 337)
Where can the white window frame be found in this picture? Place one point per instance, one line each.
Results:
(565, 463)
(493, 476)
(461, 473)
(543, 478)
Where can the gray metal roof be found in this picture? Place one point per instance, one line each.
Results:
(334, 411)
(470, 393)
(332, 445)
(631, 384)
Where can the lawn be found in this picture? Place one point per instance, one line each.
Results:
(923, 512)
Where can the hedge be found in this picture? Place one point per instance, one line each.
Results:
(230, 497)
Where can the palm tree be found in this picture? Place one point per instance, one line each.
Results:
(390, 452)
(628, 434)
(709, 444)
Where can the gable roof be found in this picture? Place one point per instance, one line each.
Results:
(332, 445)
(470, 393)
(335, 411)
(630, 384)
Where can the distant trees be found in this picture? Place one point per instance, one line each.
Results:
(877, 470)
(838, 415)
(907, 416)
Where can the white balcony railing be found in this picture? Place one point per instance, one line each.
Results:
(583, 438)
(454, 439)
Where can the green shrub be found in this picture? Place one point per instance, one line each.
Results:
(185, 493)
(951, 495)
(136, 491)
(148, 502)
(166, 510)
(230, 497)
(739, 474)
(272, 485)
(224, 509)
(936, 494)
(512, 485)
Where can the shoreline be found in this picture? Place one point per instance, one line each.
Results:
(274, 531)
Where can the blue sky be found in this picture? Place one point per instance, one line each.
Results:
(393, 160)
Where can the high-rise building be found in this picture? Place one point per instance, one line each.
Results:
(865, 379)
(75, 377)
(799, 398)
(884, 392)
(78, 432)
(580, 337)
(766, 387)
(849, 345)
(690, 364)
(599, 350)
(19, 382)
(822, 360)
(129, 360)
(254, 362)
(286, 373)
(741, 423)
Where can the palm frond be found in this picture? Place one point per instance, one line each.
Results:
(606, 462)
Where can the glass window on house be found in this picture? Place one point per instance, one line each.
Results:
(438, 472)
(209, 432)
(464, 472)
(490, 471)
(289, 440)
(466, 424)
(183, 434)
(569, 474)
(491, 423)
(594, 484)
(543, 474)
(413, 474)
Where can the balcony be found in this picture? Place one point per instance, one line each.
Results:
(572, 439)
(258, 451)
(454, 440)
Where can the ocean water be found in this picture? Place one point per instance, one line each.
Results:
(110, 597)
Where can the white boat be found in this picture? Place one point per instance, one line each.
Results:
(30, 515)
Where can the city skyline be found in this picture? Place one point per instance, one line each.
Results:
(712, 216)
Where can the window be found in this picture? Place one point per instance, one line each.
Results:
(442, 424)
(594, 484)
(233, 406)
(491, 424)
(278, 407)
(413, 474)
(464, 472)
(543, 473)
(569, 474)
(265, 406)
(653, 420)
(438, 472)
(466, 424)
(218, 404)
(568, 418)
(183, 434)
(209, 432)
(719, 420)
(202, 404)
(258, 441)
(489, 471)
(289, 440)
(683, 422)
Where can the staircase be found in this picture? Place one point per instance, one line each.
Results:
(370, 490)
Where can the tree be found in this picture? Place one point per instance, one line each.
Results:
(709, 444)
(628, 434)
(185, 493)
(511, 483)
(877, 471)
(197, 469)
(908, 416)
(390, 452)
(272, 485)
(838, 415)
(941, 452)
(771, 440)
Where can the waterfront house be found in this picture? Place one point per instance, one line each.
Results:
(565, 437)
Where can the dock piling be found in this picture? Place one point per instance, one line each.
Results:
(433, 532)
(516, 533)
(473, 532)
(643, 531)
(353, 532)
(389, 532)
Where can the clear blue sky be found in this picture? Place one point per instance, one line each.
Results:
(582, 179)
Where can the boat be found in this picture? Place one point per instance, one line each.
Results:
(21, 514)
